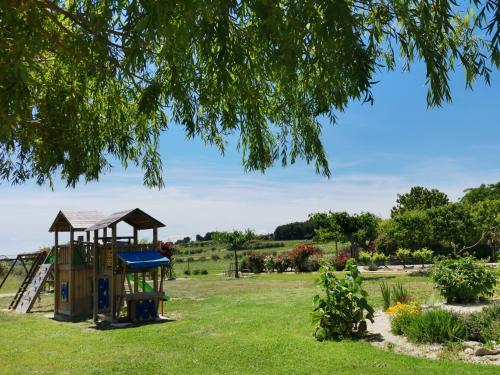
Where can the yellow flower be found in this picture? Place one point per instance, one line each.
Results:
(399, 307)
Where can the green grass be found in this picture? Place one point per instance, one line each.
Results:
(12, 283)
(259, 324)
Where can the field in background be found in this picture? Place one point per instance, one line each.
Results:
(201, 254)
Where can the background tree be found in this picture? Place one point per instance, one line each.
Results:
(481, 193)
(358, 229)
(294, 231)
(486, 216)
(235, 241)
(84, 84)
(419, 198)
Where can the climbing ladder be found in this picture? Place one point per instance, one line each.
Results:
(34, 288)
(31, 278)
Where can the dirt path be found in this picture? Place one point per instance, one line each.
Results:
(7, 295)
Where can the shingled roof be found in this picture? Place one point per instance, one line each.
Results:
(134, 217)
(76, 220)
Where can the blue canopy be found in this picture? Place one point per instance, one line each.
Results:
(143, 259)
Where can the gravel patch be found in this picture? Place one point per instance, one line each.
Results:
(381, 336)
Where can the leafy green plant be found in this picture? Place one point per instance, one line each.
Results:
(379, 259)
(403, 255)
(365, 257)
(187, 272)
(434, 326)
(400, 294)
(423, 255)
(343, 309)
(484, 325)
(386, 294)
(204, 271)
(196, 272)
(464, 279)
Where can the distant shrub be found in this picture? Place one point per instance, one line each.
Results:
(254, 262)
(379, 258)
(253, 245)
(202, 259)
(423, 255)
(403, 255)
(365, 257)
(339, 260)
(187, 272)
(196, 272)
(269, 263)
(4, 267)
(464, 279)
(282, 262)
(435, 326)
(313, 263)
(179, 260)
(204, 271)
(190, 259)
(228, 256)
(215, 257)
(300, 254)
(484, 325)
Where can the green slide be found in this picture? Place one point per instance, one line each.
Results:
(147, 287)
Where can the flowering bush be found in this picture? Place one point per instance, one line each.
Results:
(300, 254)
(269, 263)
(167, 249)
(401, 316)
(254, 262)
(313, 263)
(339, 260)
(282, 262)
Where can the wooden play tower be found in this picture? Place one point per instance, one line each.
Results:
(101, 274)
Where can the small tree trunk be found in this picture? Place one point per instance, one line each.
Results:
(236, 274)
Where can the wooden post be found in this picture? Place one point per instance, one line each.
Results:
(136, 236)
(56, 272)
(71, 273)
(94, 276)
(155, 237)
(136, 282)
(113, 286)
(160, 297)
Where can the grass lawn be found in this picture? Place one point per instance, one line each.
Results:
(253, 325)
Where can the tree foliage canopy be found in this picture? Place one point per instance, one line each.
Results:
(419, 198)
(358, 229)
(84, 83)
(482, 193)
(235, 240)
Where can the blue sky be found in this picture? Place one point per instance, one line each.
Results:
(374, 152)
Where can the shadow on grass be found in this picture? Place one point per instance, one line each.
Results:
(374, 277)
(106, 326)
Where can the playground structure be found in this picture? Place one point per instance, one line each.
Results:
(107, 277)
(39, 273)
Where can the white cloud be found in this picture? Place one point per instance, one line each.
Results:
(206, 200)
